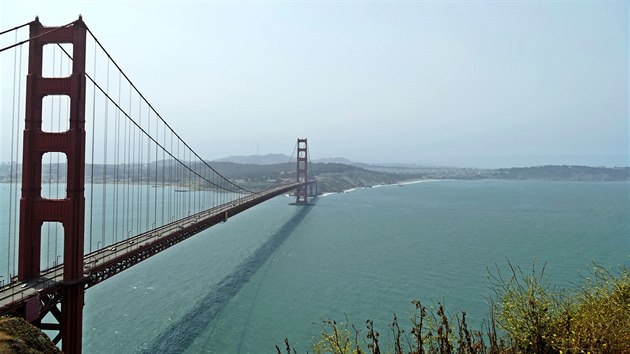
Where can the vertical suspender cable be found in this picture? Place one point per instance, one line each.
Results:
(129, 171)
(215, 198)
(116, 167)
(92, 158)
(179, 181)
(17, 127)
(13, 136)
(104, 181)
(197, 190)
(133, 205)
(171, 189)
(163, 174)
(148, 166)
(190, 182)
(124, 227)
(139, 201)
(157, 134)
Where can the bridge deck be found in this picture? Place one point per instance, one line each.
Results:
(113, 259)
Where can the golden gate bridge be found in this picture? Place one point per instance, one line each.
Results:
(104, 181)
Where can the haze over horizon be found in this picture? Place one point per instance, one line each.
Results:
(283, 158)
(465, 84)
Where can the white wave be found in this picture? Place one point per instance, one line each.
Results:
(419, 181)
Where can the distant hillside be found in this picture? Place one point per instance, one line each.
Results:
(563, 173)
(339, 160)
(549, 173)
(268, 159)
(332, 177)
(336, 177)
(343, 177)
(271, 159)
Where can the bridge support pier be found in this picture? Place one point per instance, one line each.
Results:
(72, 318)
(70, 212)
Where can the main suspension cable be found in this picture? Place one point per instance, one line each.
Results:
(35, 37)
(162, 119)
(172, 131)
(16, 28)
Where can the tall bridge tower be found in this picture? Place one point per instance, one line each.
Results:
(70, 211)
(301, 193)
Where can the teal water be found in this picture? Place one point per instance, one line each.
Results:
(276, 270)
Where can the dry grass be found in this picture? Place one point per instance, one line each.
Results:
(19, 336)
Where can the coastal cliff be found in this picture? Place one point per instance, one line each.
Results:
(19, 336)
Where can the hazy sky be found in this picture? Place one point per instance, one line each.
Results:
(481, 84)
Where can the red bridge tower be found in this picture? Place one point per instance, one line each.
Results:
(70, 212)
(301, 193)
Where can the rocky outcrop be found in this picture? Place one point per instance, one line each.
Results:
(19, 336)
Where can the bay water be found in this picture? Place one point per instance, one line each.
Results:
(276, 270)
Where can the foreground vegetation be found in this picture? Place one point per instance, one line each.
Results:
(528, 315)
(19, 336)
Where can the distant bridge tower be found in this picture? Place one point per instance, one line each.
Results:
(301, 193)
(70, 212)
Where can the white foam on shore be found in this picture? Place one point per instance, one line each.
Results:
(382, 185)
(420, 181)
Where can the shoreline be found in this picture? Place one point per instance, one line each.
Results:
(401, 184)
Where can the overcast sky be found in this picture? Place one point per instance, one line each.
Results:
(475, 84)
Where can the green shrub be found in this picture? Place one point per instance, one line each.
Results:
(596, 317)
(537, 318)
(528, 315)
(525, 309)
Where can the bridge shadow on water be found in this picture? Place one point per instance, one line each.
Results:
(181, 334)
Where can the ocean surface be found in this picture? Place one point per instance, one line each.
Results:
(277, 270)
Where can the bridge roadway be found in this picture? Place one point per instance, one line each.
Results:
(113, 259)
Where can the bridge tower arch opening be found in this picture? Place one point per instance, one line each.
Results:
(36, 210)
